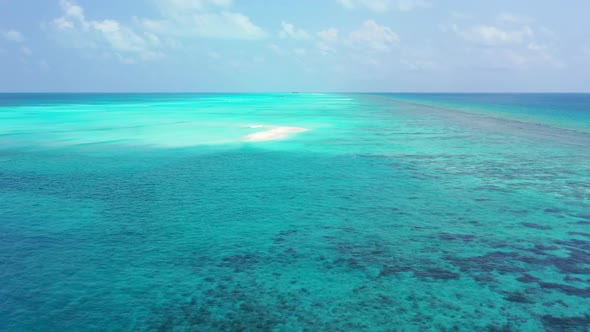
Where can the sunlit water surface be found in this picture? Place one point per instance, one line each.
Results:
(318, 212)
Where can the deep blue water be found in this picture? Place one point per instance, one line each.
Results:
(569, 110)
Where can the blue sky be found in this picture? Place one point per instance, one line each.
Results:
(306, 45)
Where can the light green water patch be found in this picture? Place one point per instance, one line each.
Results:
(190, 121)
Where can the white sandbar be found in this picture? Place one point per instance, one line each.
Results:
(274, 133)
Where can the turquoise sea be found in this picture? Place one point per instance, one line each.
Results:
(295, 212)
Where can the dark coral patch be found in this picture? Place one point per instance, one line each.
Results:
(542, 247)
(553, 210)
(568, 265)
(350, 263)
(527, 278)
(456, 237)
(240, 262)
(517, 297)
(566, 289)
(572, 279)
(575, 243)
(495, 261)
(536, 226)
(437, 273)
(579, 234)
(393, 269)
(485, 278)
(581, 222)
(578, 259)
(291, 252)
(282, 235)
(553, 323)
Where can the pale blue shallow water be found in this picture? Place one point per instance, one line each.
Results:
(391, 212)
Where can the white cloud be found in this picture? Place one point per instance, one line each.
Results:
(289, 31)
(123, 42)
(13, 36)
(123, 39)
(329, 35)
(547, 33)
(382, 6)
(26, 51)
(536, 47)
(457, 15)
(325, 49)
(223, 25)
(417, 64)
(348, 4)
(62, 23)
(519, 58)
(214, 55)
(374, 36)
(492, 35)
(202, 18)
(510, 18)
(300, 51)
(145, 39)
(361, 43)
(178, 6)
(276, 49)
(73, 16)
(43, 65)
(407, 5)
(258, 59)
(513, 43)
(329, 38)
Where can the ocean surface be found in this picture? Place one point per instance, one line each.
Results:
(295, 212)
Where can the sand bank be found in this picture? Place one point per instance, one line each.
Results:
(272, 133)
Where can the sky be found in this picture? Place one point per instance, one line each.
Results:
(304, 45)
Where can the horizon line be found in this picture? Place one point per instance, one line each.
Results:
(294, 92)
